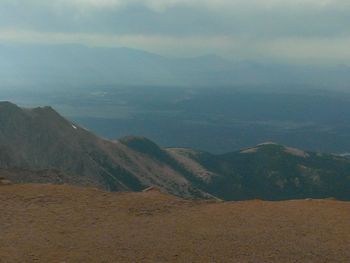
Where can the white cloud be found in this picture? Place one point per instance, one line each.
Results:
(92, 3)
(164, 4)
(277, 29)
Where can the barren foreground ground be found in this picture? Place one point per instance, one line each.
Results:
(45, 223)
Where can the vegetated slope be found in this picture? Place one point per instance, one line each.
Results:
(273, 172)
(47, 223)
(36, 139)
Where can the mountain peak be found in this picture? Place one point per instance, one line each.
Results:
(275, 148)
(40, 138)
(46, 111)
(15, 117)
(6, 105)
(140, 144)
(267, 143)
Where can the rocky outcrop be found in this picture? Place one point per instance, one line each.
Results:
(4, 181)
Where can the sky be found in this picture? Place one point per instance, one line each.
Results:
(300, 31)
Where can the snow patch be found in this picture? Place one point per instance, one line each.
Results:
(296, 152)
(250, 150)
(267, 143)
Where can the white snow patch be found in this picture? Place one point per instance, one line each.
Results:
(250, 150)
(296, 152)
(267, 143)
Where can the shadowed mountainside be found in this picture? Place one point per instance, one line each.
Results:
(37, 139)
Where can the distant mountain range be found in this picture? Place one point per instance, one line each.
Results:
(40, 146)
(76, 65)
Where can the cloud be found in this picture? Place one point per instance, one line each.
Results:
(161, 5)
(289, 29)
(255, 18)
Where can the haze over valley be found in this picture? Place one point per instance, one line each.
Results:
(206, 118)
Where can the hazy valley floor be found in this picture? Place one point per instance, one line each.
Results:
(46, 223)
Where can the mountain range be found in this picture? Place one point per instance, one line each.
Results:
(40, 146)
(77, 65)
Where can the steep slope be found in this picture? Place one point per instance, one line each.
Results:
(148, 148)
(47, 223)
(271, 171)
(42, 139)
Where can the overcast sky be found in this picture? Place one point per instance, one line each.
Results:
(282, 30)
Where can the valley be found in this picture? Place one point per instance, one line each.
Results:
(214, 119)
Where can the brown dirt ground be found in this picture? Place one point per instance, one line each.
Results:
(46, 223)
